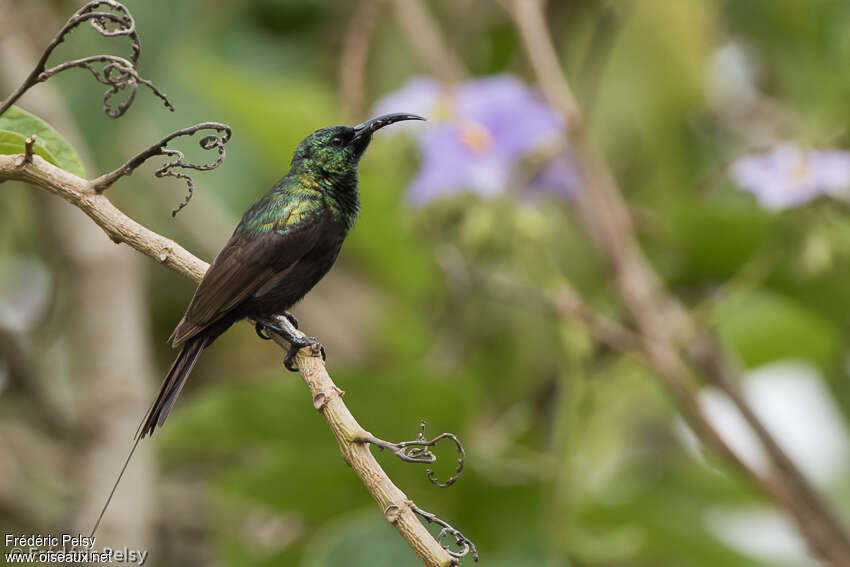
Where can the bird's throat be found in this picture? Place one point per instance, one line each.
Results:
(342, 197)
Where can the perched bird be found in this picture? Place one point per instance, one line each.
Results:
(286, 242)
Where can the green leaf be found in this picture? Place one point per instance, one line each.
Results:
(763, 326)
(21, 122)
(12, 143)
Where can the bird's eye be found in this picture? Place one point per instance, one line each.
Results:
(336, 141)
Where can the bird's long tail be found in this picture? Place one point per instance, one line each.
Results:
(172, 385)
(168, 392)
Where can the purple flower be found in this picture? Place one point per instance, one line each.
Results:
(788, 176)
(479, 133)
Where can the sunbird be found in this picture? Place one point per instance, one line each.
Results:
(286, 242)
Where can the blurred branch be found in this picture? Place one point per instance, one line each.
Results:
(427, 39)
(355, 55)
(15, 355)
(661, 321)
(18, 356)
(564, 302)
(32, 460)
(115, 335)
(117, 73)
(605, 30)
(353, 440)
(531, 21)
(567, 302)
(663, 325)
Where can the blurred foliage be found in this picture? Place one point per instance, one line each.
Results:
(574, 451)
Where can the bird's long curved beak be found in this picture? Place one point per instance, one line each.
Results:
(367, 128)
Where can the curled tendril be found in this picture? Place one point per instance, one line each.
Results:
(124, 22)
(207, 143)
(417, 451)
(464, 545)
(118, 73)
(213, 141)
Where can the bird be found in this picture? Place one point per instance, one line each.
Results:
(285, 243)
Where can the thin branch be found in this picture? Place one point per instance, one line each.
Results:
(19, 359)
(565, 301)
(96, 338)
(419, 452)
(327, 397)
(355, 55)
(117, 73)
(663, 323)
(605, 28)
(29, 148)
(661, 320)
(528, 14)
(464, 545)
(427, 39)
(118, 226)
(103, 182)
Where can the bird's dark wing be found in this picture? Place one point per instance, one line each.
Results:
(256, 254)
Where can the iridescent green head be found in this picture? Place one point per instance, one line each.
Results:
(337, 150)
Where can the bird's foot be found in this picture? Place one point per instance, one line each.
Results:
(261, 331)
(291, 318)
(296, 344)
(296, 341)
(261, 327)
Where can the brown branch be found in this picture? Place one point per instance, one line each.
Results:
(605, 28)
(353, 440)
(117, 73)
(662, 321)
(417, 451)
(427, 39)
(99, 339)
(17, 354)
(355, 55)
(103, 182)
(118, 226)
(354, 444)
(544, 59)
(664, 325)
(29, 148)
(565, 301)
(464, 545)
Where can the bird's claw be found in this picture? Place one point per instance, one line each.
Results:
(288, 361)
(261, 331)
(292, 319)
(262, 327)
(296, 344)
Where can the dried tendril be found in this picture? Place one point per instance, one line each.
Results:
(417, 451)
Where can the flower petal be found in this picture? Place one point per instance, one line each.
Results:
(420, 95)
(516, 117)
